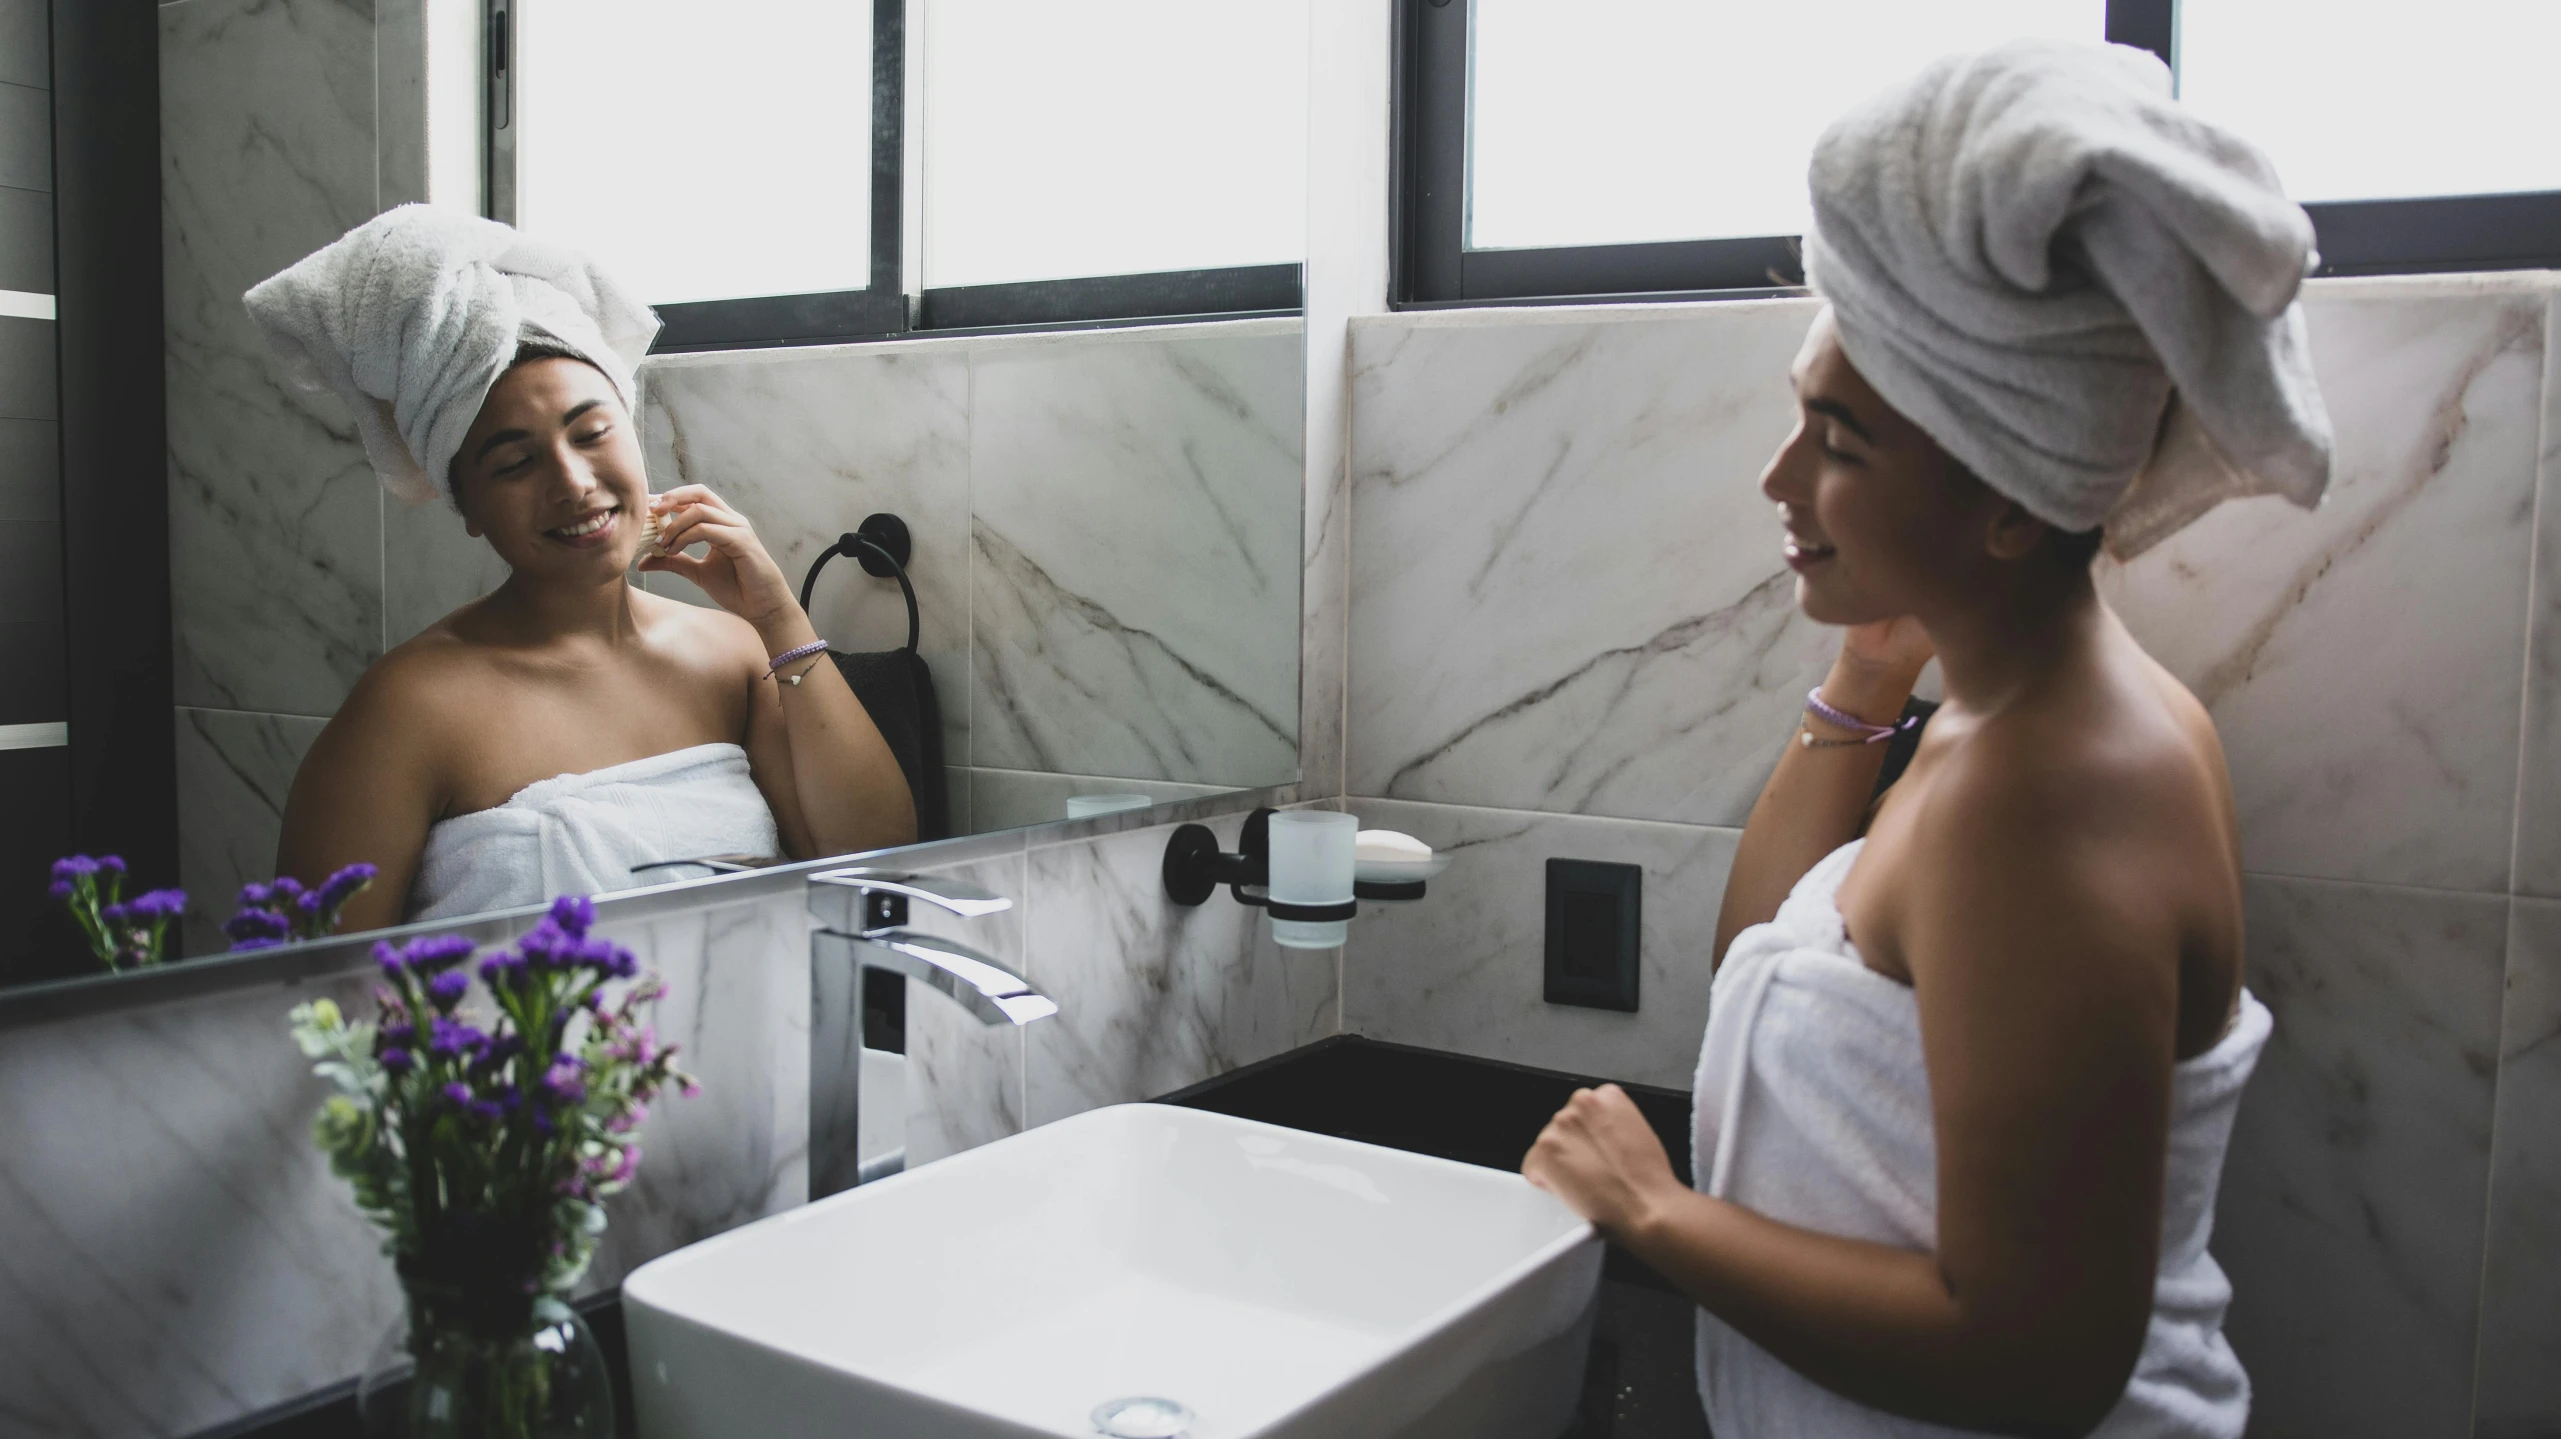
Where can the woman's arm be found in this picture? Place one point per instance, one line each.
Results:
(366, 792)
(1816, 799)
(2047, 991)
(834, 784)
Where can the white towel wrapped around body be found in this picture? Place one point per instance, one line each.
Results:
(413, 315)
(583, 833)
(1812, 1106)
(2070, 282)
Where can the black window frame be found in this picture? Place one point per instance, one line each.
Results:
(1430, 266)
(883, 310)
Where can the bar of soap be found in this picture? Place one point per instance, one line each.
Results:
(1388, 846)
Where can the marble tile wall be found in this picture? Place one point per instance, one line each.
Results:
(1571, 636)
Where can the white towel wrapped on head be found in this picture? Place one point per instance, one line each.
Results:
(2070, 282)
(413, 315)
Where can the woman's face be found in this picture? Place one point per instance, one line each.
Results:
(550, 474)
(1880, 521)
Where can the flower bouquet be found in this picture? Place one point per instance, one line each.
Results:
(121, 932)
(483, 1139)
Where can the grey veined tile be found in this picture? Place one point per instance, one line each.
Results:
(1464, 967)
(2520, 1376)
(234, 771)
(267, 153)
(1567, 589)
(1153, 996)
(2538, 811)
(2350, 1219)
(2363, 663)
(1136, 555)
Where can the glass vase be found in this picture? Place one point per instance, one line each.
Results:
(465, 1366)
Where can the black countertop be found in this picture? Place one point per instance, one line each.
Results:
(1640, 1383)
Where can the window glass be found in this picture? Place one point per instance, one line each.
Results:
(700, 151)
(1602, 122)
(1112, 137)
(2364, 99)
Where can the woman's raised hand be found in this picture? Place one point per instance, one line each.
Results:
(737, 573)
(1897, 647)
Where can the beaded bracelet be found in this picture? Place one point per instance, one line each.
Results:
(1843, 719)
(801, 652)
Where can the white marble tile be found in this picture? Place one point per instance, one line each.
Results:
(965, 1078)
(2350, 1219)
(2363, 663)
(1153, 996)
(806, 443)
(1136, 556)
(430, 567)
(737, 1007)
(1009, 798)
(1463, 969)
(1566, 588)
(178, 1253)
(234, 771)
(267, 152)
(2538, 834)
(2519, 1394)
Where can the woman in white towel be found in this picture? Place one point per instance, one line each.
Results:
(1973, 1055)
(569, 727)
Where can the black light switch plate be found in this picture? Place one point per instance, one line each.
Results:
(1594, 917)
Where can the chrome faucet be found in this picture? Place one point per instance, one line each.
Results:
(861, 919)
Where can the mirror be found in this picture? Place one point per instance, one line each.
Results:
(1036, 346)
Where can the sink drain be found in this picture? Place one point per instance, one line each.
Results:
(1142, 1418)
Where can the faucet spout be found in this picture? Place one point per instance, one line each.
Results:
(977, 982)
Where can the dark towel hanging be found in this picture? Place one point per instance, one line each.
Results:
(895, 686)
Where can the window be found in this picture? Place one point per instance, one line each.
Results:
(1614, 148)
(747, 166)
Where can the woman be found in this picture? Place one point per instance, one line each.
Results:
(1973, 1056)
(569, 728)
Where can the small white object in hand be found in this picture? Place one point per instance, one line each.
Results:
(1389, 846)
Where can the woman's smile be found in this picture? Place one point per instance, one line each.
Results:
(588, 532)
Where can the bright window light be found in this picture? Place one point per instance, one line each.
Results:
(1601, 122)
(2363, 99)
(700, 151)
(1112, 137)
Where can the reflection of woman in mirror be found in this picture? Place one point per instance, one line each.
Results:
(569, 727)
(1973, 1054)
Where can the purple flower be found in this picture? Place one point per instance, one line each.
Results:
(111, 863)
(500, 967)
(338, 888)
(59, 889)
(243, 946)
(392, 962)
(284, 889)
(447, 1038)
(257, 929)
(486, 1110)
(561, 1084)
(74, 867)
(396, 1060)
(432, 954)
(113, 914)
(157, 904)
(447, 989)
(574, 913)
(457, 1093)
(254, 895)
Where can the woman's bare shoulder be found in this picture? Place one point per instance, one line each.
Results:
(701, 634)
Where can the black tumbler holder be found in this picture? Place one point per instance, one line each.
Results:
(1195, 867)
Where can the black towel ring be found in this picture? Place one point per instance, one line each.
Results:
(882, 546)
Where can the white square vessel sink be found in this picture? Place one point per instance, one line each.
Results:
(1275, 1283)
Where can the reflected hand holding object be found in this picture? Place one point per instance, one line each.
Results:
(737, 573)
(1600, 1156)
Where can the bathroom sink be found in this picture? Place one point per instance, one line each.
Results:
(1273, 1283)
